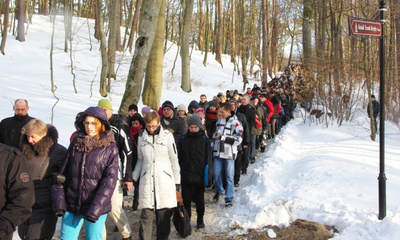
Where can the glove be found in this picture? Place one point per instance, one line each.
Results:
(60, 213)
(58, 178)
(91, 219)
(178, 187)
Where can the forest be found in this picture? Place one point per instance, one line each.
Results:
(265, 35)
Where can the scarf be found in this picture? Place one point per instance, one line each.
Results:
(135, 130)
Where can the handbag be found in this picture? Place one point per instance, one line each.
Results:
(181, 218)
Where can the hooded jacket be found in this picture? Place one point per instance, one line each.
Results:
(44, 158)
(91, 171)
(177, 125)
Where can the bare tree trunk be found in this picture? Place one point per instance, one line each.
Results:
(244, 51)
(129, 21)
(187, 25)
(103, 50)
(220, 32)
(233, 31)
(274, 39)
(201, 26)
(67, 23)
(307, 15)
(135, 23)
(207, 33)
(154, 74)
(97, 19)
(264, 65)
(21, 21)
(6, 6)
(113, 17)
(143, 45)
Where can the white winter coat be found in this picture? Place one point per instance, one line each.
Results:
(158, 169)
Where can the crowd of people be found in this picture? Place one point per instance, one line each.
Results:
(154, 152)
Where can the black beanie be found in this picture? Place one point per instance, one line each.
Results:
(167, 104)
(194, 120)
(133, 106)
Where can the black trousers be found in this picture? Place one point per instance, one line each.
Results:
(163, 223)
(238, 167)
(194, 192)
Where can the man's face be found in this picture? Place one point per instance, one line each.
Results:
(245, 101)
(203, 99)
(233, 106)
(255, 101)
(167, 112)
(108, 112)
(132, 112)
(20, 108)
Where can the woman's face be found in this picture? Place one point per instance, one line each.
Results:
(152, 126)
(90, 124)
(34, 138)
(135, 123)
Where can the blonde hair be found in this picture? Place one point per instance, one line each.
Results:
(35, 126)
(151, 116)
(222, 98)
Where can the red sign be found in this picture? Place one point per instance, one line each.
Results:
(364, 28)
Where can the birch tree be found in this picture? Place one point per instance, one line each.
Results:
(187, 25)
(143, 45)
(154, 74)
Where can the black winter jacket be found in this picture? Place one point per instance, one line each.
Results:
(194, 152)
(16, 191)
(120, 127)
(10, 129)
(56, 154)
(177, 126)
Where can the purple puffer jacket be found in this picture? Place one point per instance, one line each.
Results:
(91, 172)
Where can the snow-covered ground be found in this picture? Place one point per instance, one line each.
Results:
(324, 174)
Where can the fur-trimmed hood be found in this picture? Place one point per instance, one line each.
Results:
(86, 143)
(96, 112)
(41, 148)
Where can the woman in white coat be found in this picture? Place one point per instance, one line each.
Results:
(158, 169)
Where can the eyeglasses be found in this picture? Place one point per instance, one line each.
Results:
(90, 123)
(151, 126)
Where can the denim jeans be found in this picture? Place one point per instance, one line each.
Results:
(229, 167)
(71, 226)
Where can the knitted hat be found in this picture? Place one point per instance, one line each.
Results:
(105, 103)
(372, 96)
(133, 106)
(194, 120)
(145, 110)
(180, 107)
(212, 103)
(167, 104)
(200, 112)
(254, 97)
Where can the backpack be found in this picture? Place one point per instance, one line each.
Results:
(257, 122)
